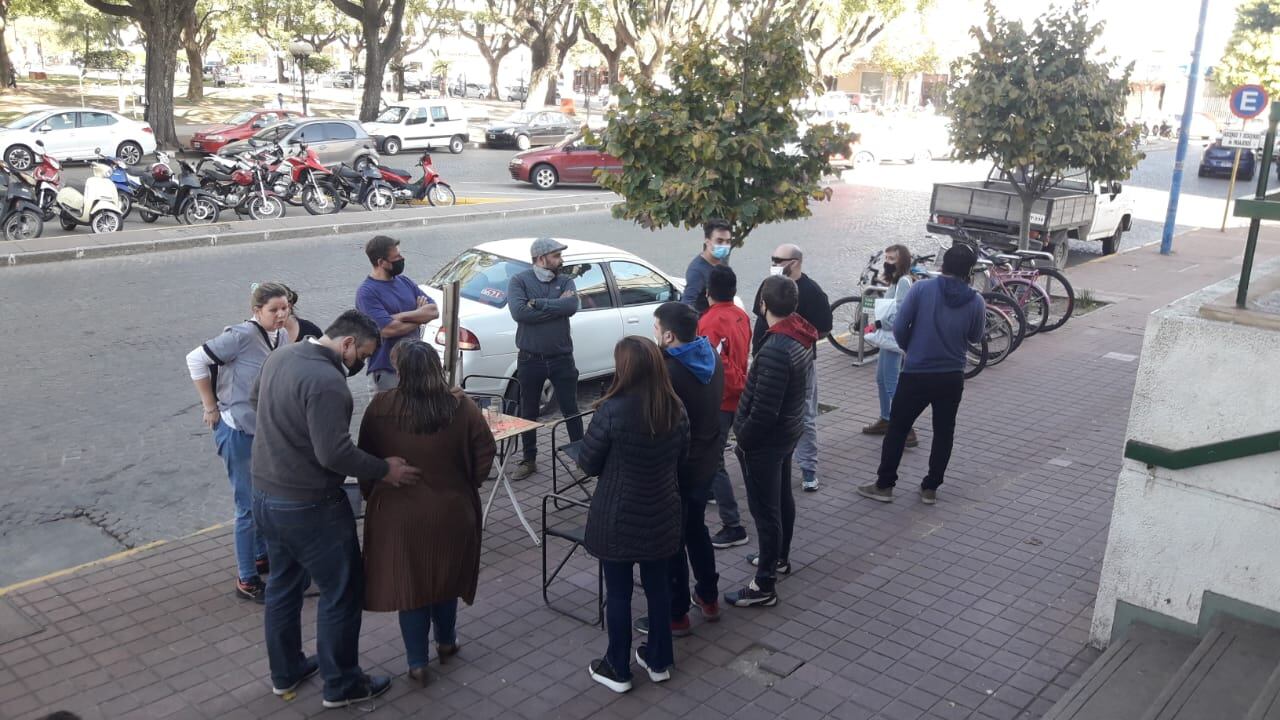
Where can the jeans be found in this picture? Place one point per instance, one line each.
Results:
(807, 448)
(773, 507)
(617, 589)
(382, 381)
(887, 370)
(917, 391)
(234, 447)
(721, 488)
(695, 551)
(533, 371)
(415, 626)
(317, 539)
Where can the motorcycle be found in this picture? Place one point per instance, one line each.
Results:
(240, 183)
(46, 178)
(429, 186)
(364, 186)
(20, 216)
(300, 179)
(98, 206)
(128, 184)
(181, 198)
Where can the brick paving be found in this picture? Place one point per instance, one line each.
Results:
(978, 607)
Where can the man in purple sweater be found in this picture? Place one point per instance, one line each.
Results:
(935, 325)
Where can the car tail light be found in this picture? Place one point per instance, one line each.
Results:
(946, 220)
(146, 128)
(467, 340)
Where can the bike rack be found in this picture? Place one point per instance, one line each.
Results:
(869, 293)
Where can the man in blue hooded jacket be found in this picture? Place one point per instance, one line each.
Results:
(935, 324)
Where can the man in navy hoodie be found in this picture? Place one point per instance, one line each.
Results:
(935, 325)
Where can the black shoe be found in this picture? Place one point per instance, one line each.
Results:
(783, 567)
(262, 566)
(654, 675)
(255, 590)
(371, 687)
(752, 595)
(729, 537)
(310, 667)
(602, 673)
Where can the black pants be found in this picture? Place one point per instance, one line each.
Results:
(773, 507)
(533, 371)
(917, 391)
(696, 551)
(618, 586)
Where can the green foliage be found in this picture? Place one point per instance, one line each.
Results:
(117, 60)
(713, 142)
(319, 64)
(1037, 103)
(1253, 52)
(905, 50)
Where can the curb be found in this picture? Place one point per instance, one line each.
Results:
(215, 238)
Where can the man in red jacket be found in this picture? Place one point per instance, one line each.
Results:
(728, 328)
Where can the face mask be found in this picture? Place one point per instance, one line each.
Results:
(353, 370)
(720, 252)
(889, 268)
(776, 270)
(397, 267)
(544, 274)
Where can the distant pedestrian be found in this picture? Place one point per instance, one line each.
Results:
(727, 328)
(280, 100)
(769, 423)
(716, 247)
(224, 370)
(814, 307)
(303, 454)
(422, 541)
(395, 303)
(897, 275)
(638, 438)
(934, 326)
(541, 301)
(297, 327)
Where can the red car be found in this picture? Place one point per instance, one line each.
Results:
(238, 127)
(571, 161)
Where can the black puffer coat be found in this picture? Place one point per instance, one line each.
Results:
(635, 514)
(771, 412)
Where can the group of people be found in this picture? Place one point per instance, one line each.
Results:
(274, 390)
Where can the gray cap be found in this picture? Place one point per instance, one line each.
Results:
(545, 246)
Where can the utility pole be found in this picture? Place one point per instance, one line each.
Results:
(1188, 107)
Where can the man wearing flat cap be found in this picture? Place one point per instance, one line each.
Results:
(541, 301)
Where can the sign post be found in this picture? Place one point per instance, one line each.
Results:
(1247, 101)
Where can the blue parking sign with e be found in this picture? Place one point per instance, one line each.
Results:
(1248, 101)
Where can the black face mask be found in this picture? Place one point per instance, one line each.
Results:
(889, 268)
(354, 370)
(397, 267)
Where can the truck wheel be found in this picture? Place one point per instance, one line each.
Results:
(1060, 251)
(1112, 244)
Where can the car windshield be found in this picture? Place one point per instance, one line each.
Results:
(275, 132)
(27, 120)
(241, 118)
(392, 114)
(483, 276)
(524, 117)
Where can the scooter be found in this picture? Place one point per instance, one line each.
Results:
(128, 184)
(46, 178)
(429, 186)
(364, 186)
(98, 207)
(181, 198)
(20, 216)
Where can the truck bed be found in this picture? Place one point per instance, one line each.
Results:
(996, 204)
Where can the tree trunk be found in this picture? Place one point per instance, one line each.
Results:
(195, 83)
(614, 61)
(163, 39)
(494, 63)
(540, 69)
(6, 66)
(1024, 224)
(374, 68)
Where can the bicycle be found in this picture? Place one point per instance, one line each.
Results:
(847, 323)
(1020, 266)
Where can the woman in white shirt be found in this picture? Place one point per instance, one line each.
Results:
(897, 275)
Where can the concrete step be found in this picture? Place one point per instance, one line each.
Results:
(1267, 706)
(1128, 676)
(1223, 676)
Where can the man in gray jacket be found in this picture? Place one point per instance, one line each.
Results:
(302, 455)
(541, 301)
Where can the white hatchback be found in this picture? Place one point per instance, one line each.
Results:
(74, 134)
(617, 292)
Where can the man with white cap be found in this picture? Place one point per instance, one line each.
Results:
(541, 301)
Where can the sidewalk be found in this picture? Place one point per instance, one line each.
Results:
(976, 607)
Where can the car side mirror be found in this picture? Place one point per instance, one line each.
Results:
(44, 129)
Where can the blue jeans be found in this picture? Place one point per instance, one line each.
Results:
(415, 626)
(888, 367)
(317, 539)
(618, 585)
(234, 447)
(721, 488)
(806, 452)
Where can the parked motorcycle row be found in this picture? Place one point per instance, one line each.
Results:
(259, 184)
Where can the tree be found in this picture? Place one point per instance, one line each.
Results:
(841, 27)
(280, 22)
(596, 25)
(902, 52)
(161, 22)
(722, 139)
(424, 20)
(1037, 104)
(199, 29)
(490, 28)
(381, 27)
(1253, 52)
(550, 29)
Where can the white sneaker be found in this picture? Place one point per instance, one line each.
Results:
(654, 676)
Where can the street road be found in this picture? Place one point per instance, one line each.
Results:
(100, 423)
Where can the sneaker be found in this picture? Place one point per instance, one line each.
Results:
(310, 666)
(876, 493)
(710, 610)
(751, 595)
(928, 497)
(912, 440)
(371, 687)
(729, 537)
(523, 469)
(254, 591)
(654, 675)
(783, 567)
(602, 673)
(879, 427)
(810, 482)
(679, 628)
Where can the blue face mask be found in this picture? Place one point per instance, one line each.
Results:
(720, 252)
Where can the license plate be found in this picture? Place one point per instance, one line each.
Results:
(1037, 218)
(195, 143)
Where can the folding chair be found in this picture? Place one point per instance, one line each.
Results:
(565, 458)
(507, 406)
(573, 531)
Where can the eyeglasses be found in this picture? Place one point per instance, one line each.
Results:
(779, 261)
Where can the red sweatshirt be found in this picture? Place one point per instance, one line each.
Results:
(728, 328)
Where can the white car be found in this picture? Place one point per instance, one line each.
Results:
(75, 134)
(421, 124)
(617, 292)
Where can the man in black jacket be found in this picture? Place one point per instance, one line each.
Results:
(541, 301)
(769, 423)
(813, 306)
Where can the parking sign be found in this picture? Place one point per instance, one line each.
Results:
(1248, 101)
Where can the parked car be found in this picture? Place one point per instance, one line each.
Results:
(238, 127)
(335, 141)
(74, 134)
(862, 102)
(527, 128)
(344, 79)
(421, 124)
(478, 91)
(517, 93)
(1218, 160)
(570, 161)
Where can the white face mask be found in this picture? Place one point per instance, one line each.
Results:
(776, 270)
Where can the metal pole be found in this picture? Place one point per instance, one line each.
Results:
(1255, 224)
(1231, 190)
(302, 73)
(1188, 107)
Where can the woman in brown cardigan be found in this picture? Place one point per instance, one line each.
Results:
(422, 541)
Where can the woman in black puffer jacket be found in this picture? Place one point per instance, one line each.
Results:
(637, 438)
